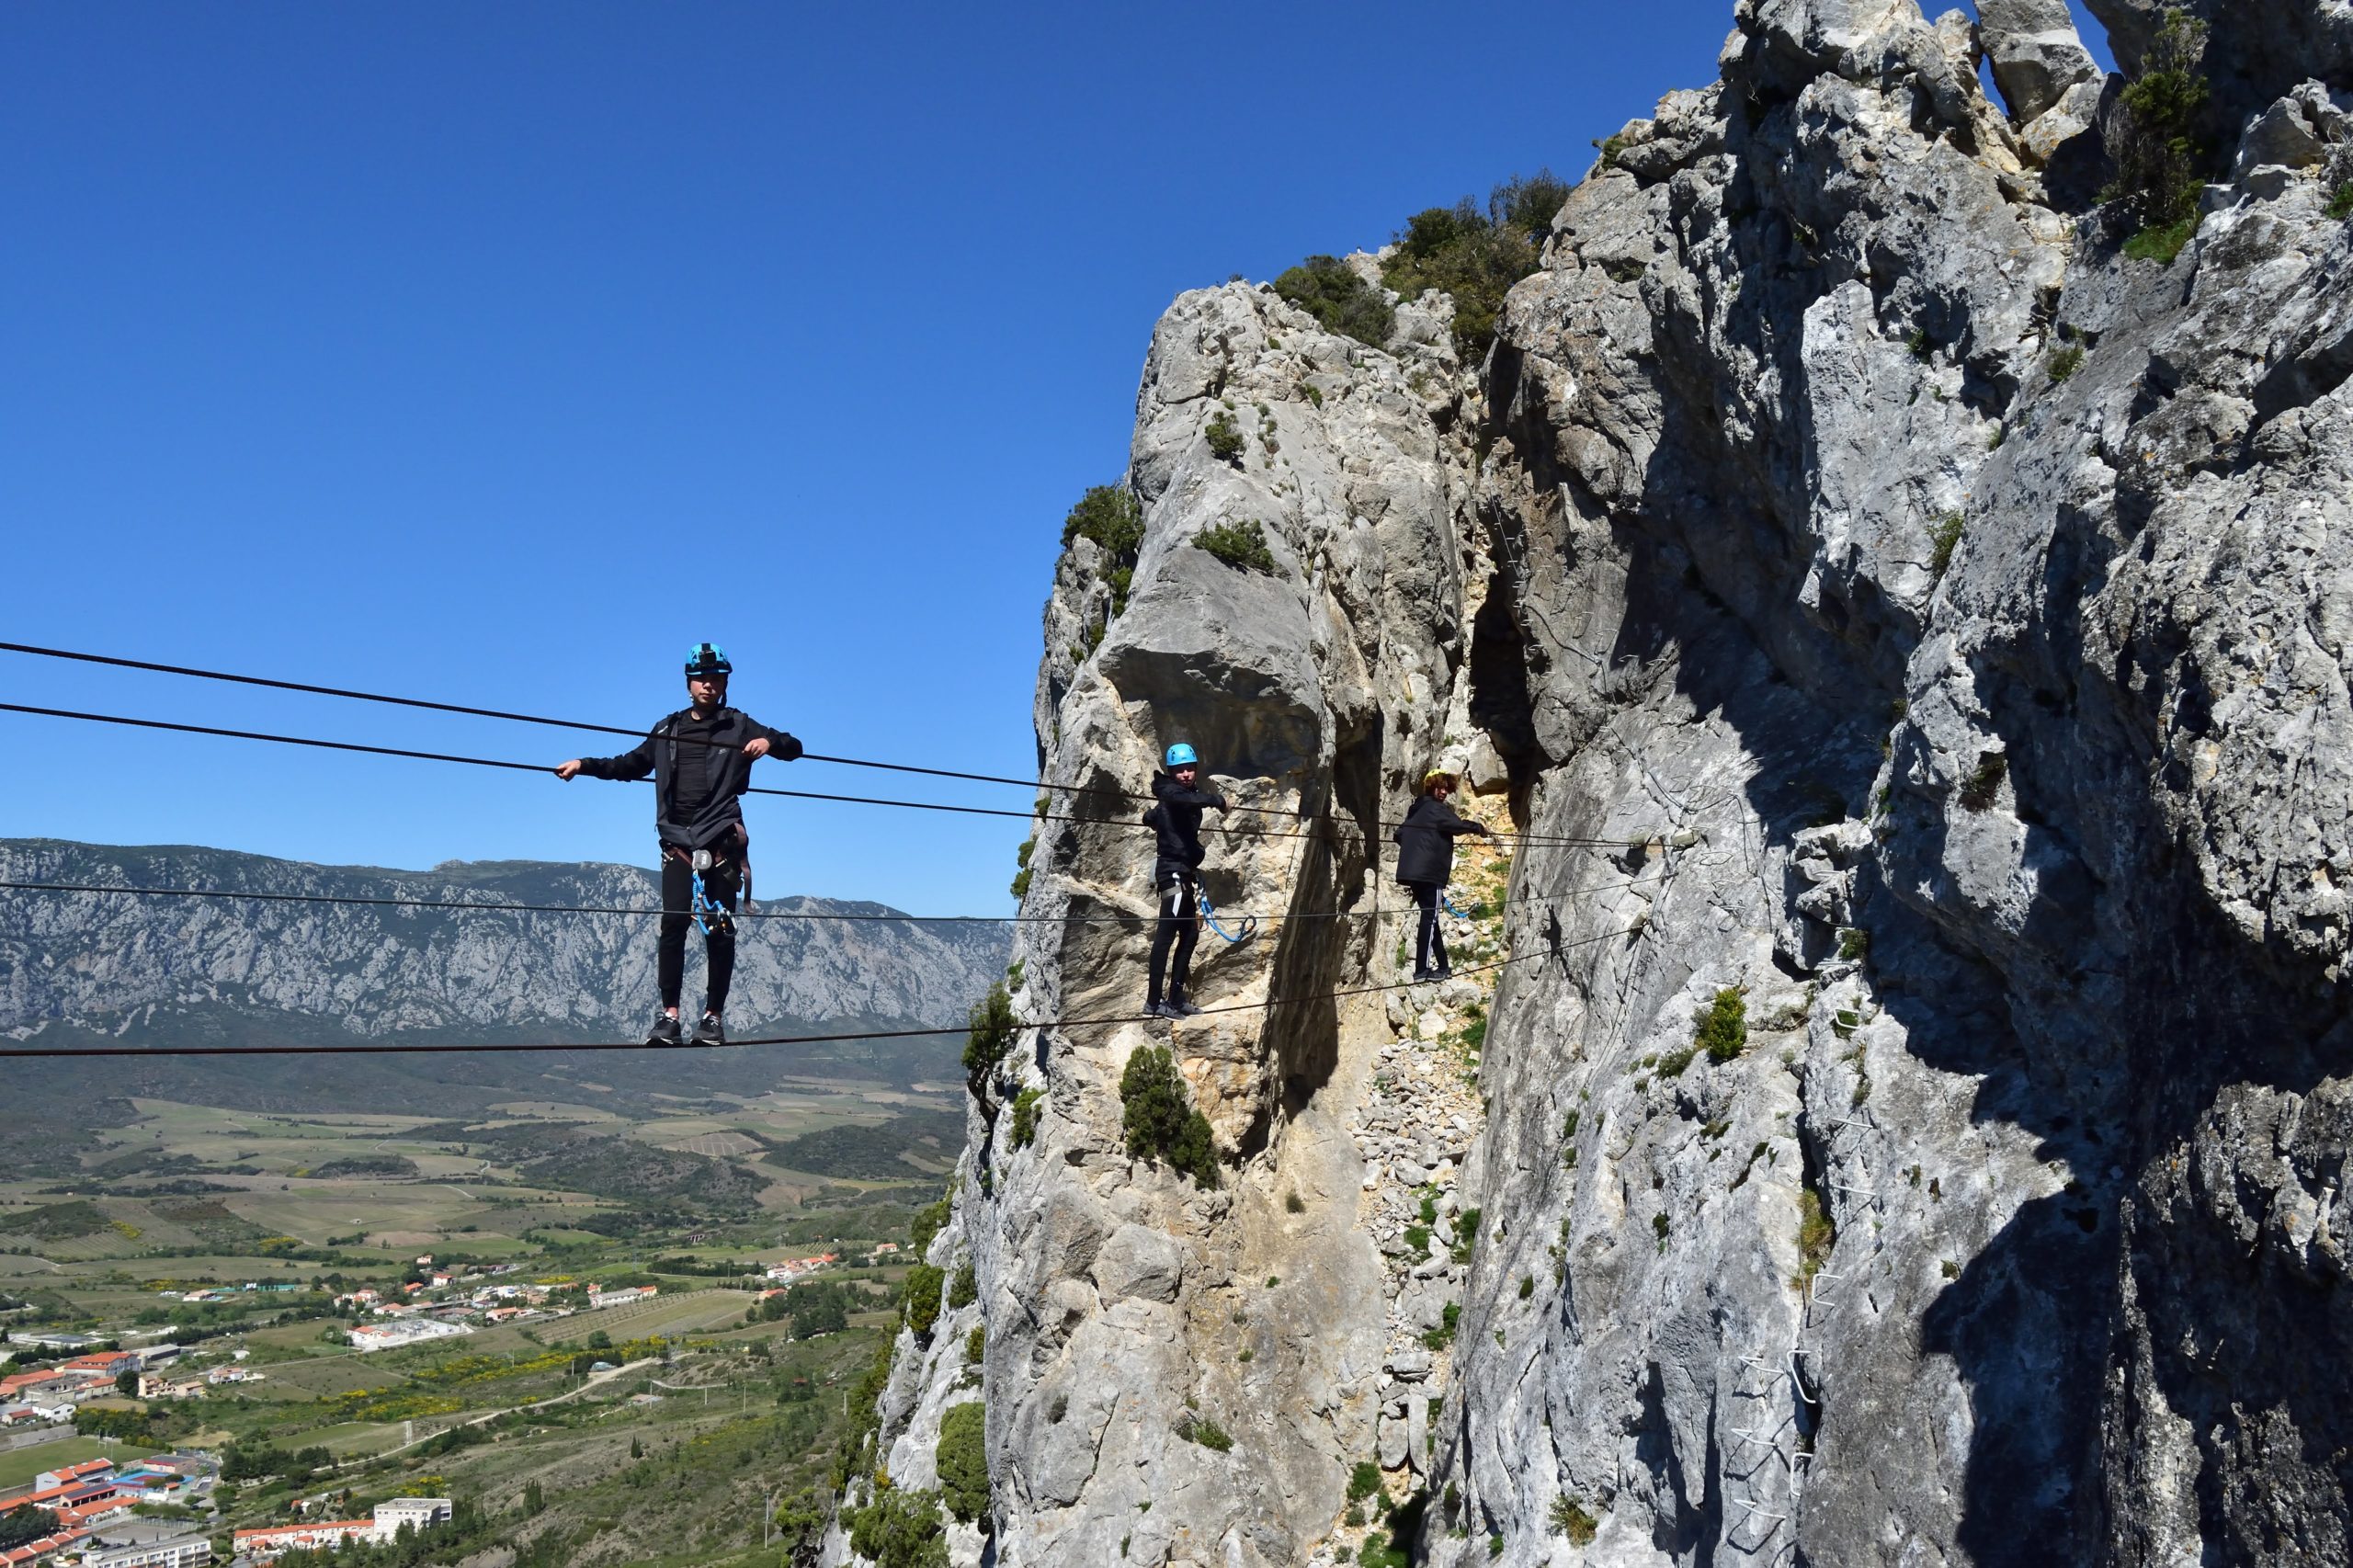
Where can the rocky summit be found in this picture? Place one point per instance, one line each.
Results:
(1899, 1111)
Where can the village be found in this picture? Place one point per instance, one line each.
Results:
(166, 1510)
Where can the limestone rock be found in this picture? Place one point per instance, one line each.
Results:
(2035, 54)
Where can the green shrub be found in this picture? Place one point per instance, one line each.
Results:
(1660, 1225)
(1919, 344)
(921, 1294)
(993, 1029)
(1242, 546)
(1025, 1117)
(1293, 1203)
(965, 1288)
(1672, 1064)
(2066, 362)
(2340, 205)
(1476, 257)
(1207, 1433)
(1110, 516)
(1113, 519)
(1417, 1240)
(1854, 943)
(1225, 438)
(1363, 1480)
(1159, 1119)
(1944, 534)
(1723, 1026)
(1328, 288)
(925, 1225)
(2159, 137)
(899, 1529)
(976, 1345)
(1570, 1519)
(963, 1457)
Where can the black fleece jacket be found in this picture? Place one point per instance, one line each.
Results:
(699, 770)
(1425, 841)
(1177, 820)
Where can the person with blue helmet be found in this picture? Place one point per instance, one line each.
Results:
(701, 758)
(1175, 816)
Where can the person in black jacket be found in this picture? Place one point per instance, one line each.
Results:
(701, 759)
(1176, 817)
(1426, 863)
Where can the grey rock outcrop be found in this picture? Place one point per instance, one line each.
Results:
(1906, 626)
(2036, 55)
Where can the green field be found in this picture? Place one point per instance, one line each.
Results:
(18, 1466)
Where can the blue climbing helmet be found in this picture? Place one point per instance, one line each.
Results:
(708, 659)
(1181, 755)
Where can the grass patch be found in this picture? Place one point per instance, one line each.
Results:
(2162, 241)
(1944, 535)
(1569, 1520)
(1816, 1236)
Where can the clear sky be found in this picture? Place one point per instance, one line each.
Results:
(496, 354)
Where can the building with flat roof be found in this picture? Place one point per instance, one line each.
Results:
(181, 1551)
(417, 1513)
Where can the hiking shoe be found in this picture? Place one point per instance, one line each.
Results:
(1424, 976)
(710, 1031)
(1442, 973)
(665, 1031)
(1160, 1010)
(1183, 1008)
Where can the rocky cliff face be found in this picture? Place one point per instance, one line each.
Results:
(1901, 622)
(101, 963)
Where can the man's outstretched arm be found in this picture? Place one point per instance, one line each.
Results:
(634, 764)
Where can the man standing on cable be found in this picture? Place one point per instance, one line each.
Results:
(1426, 864)
(1177, 818)
(701, 762)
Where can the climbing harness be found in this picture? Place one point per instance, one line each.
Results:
(709, 913)
(1249, 923)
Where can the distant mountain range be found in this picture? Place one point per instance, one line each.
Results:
(110, 963)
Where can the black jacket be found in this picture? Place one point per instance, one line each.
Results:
(1425, 841)
(1177, 820)
(720, 817)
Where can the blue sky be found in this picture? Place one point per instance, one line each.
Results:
(496, 354)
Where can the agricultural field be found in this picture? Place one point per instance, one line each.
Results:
(712, 1410)
(18, 1466)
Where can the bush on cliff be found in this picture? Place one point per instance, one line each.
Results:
(2160, 139)
(899, 1529)
(1476, 255)
(1159, 1118)
(1110, 517)
(1328, 289)
(963, 1458)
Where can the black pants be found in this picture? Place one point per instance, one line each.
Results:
(1178, 927)
(723, 881)
(1429, 941)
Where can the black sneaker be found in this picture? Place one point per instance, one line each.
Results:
(1183, 1008)
(1443, 972)
(1424, 976)
(1160, 1010)
(665, 1030)
(710, 1031)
